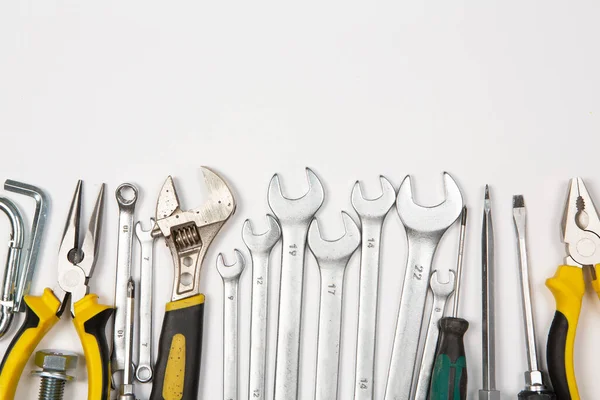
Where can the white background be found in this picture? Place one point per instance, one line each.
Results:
(503, 93)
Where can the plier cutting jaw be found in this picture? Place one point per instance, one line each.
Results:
(75, 267)
(580, 229)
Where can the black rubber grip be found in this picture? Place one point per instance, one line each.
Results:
(180, 337)
(532, 395)
(555, 353)
(31, 321)
(96, 326)
(449, 378)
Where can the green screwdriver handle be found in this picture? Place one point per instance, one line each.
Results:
(449, 378)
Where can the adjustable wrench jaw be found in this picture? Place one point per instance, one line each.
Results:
(188, 234)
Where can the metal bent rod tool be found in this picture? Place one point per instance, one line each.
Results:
(488, 392)
(534, 377)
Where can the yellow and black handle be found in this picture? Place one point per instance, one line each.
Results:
(177, 370)
(568, 288)
(41, 315)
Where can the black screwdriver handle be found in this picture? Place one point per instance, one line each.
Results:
(449, 378)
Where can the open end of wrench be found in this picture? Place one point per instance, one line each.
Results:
(337, 249)
(442, 288)
(377, 207)
(231, 271)
(261, 242)
(299, 209)
(429, 218)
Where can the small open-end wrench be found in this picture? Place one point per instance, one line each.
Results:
(441, 293)
(260, 247)
(294, 216)
(231, 277)
(144, 371)
(424, 227)
(332, 257)
(126, 388)
(372, 213)
(126, 195)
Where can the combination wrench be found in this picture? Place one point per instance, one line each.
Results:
(372, 213)
(332, 258)
(144, 371)
(260, 247)
(231, 277)
(126, 195)
(294, 215)
(424, 227)
(441, 292)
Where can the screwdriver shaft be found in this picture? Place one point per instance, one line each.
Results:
(459, 262)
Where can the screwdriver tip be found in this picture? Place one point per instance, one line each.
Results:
(463, 218)
(518, 201)
(487, 203)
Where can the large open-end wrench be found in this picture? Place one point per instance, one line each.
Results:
(231, 277)
(332, 258)
(294, 216)
(145, 367)
(372, 213)
(260, 246)
(424, 227)
(441, 293)
(126, 195)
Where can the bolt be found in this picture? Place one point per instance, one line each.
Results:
(54, 364)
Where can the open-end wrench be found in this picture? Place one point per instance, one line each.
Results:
(294, 216)
(332, 257)
(441, 293)
(424, 227)
(372, 213)
(144, 371)
(126, 195)
(231, 277)
(260, 247)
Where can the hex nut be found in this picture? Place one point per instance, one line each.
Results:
(56, 360)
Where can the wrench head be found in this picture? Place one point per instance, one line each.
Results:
(219, 206)
(430, 219)
(374, 208)
(444, 289)
(338, 249)
(262, 242)
(301, 209)
(231, 271)
(141, 234)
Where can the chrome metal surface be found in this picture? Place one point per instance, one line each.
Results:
(424, 227)
(231, 276)
(459, 261)
(126, 195)
(145, 366)
(54, 364)
(126, 388)
(190, 233)
(441, 293)
(372, 213)
(332, 259)
(294, 216)
(260, 247)
(488, 320)
(32, 249)
(533, 376)
(13, 263)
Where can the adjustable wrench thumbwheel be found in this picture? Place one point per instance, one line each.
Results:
(374, 208)
(261, 242)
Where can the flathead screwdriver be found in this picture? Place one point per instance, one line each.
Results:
(449, 377)
(534, 379)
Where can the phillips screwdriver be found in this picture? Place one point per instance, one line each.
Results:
(449, 377)
(534, 380)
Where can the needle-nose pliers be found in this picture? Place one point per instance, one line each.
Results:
(75, 267)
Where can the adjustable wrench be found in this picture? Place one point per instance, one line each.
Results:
(145, 365)
(425, 227)
(260, 247)
(294, 216)
(332, 258)
(372, 213)
(441, 293)
(231, 277)
(126, 195)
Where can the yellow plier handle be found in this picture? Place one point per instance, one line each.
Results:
(41, 315)
(567, 287)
